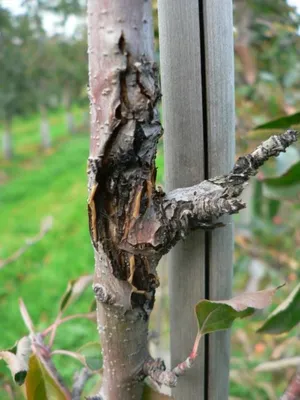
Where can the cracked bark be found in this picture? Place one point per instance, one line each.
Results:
(132, 224)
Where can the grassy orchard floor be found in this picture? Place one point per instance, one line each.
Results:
(35, 185)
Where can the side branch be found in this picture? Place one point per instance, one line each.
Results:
(172, 216)
(218, 196)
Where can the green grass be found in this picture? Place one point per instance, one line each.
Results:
(53, 184)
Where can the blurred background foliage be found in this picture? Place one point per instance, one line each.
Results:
(44, 131)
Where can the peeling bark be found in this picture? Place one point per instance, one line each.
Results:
(132, 224)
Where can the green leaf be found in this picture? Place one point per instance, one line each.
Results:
(271, 128)
(285, 316)
(74, 289)
(285, 186)
(151, 394)
(281, 123)
(41, 384)
(17, 359)
(92, 354)
(215, 316)
(257, 198)
(273, 208)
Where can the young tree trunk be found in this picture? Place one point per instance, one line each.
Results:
(124, 133)
(45, 128)
(7, 140)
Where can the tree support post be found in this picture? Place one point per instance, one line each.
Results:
(196, 50)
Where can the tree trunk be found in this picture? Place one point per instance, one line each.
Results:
(67, 101)
(70, 122)
(7, 140)
(45, 128)
(124, 133)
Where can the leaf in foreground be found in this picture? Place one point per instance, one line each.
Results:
(41, 384)
(214, 316)
(17, 359)
(285, 316)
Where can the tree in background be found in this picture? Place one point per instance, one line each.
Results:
(15, 88)
(39, 71)
(71, 71)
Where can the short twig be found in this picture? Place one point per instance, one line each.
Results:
(156, 369)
